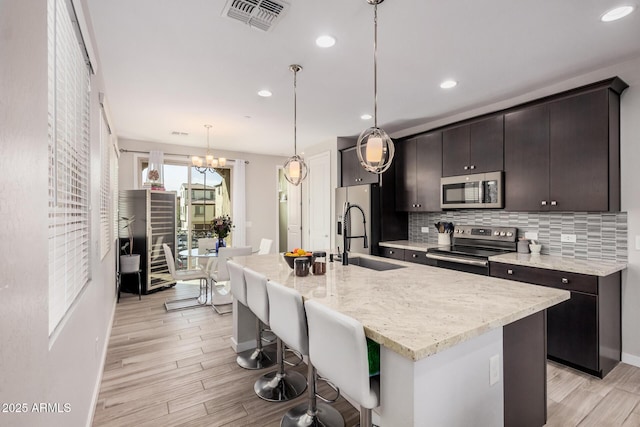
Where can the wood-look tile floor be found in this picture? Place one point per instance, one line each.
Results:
(177, 369)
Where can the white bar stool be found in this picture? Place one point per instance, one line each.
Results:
(288, 320)
(338, 348)
(259, 357)
(280, 385)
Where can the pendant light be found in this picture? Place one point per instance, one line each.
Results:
(375, 149)
(295, 169)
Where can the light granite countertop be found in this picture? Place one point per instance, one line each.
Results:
(408, 244)
(572, 265)
(416, 310)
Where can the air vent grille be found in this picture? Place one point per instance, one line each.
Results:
(260, 14)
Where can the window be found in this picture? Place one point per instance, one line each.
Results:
(68, 121)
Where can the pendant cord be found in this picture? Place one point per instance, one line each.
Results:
(375, 65)
(295, 113)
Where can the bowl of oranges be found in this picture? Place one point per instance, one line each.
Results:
(289, 257)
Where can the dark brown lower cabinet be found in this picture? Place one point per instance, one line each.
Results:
(419, 257)
(585, 331)
(394, 253)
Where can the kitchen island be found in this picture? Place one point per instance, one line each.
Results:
(457, 349)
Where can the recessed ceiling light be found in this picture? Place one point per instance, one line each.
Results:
(265, 93)
(448, 84)
(617, 13)
(325, 41)
(366, 117)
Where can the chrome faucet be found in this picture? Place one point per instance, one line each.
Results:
(345, 231)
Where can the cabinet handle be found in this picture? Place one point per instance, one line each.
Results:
(554, 203)
(544, 203)
(565, 280)
(466, 168)
(509, 271)
(418, 205)
(415, 255)
(390, 252)
(472, 167)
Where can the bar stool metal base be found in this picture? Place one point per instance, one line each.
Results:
(257, 358)
(277, 387)
(325, 416)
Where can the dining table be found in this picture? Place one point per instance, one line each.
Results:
(219, 293)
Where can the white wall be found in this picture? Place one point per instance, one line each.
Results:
(34, 368)
(261, 183)
(630, 155)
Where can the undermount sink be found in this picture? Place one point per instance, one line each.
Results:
(373, 264)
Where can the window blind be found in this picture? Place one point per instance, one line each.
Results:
(68, 75)
(106, 226)
(113, 158)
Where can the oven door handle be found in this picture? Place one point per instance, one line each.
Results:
(459, 260)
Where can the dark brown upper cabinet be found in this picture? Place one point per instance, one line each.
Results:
(526, 159)
(564, 154)
(473, 148)
(352, 171)
(418, 172)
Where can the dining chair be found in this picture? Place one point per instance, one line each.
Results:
(181, 275)
(220, 275)
(205, 245)
(265, 246)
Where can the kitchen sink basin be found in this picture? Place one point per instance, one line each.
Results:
(373, 264)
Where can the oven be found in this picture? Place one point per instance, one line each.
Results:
(472, 246)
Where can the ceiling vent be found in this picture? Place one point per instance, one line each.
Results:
(260, 14)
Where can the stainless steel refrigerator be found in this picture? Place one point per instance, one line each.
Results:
(382, 220)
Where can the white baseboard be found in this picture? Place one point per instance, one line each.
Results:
(631, 359)
(103, 359)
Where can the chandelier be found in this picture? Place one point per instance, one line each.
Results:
(209, 162)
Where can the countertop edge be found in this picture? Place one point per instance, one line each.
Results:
(421, 353)
(406, 244)
(571, 265)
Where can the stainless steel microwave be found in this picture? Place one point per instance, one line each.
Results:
(481, 190)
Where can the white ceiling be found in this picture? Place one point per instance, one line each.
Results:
(175, 65)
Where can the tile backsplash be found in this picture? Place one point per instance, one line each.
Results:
(599, 236)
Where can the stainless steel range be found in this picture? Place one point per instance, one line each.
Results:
(472, 246)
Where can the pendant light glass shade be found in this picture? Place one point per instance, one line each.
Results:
(295, 169)
(375, 149)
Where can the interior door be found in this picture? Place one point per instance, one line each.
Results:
(294, 209)
(319, 202)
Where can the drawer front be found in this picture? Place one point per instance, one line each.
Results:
(418, 257)
(540, 276)
(394, 253)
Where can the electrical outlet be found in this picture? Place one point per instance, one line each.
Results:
(531, 235)
(637, 243)
(424, 229)
(494, 369)
(568, 238)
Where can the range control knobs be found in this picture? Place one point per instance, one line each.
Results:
(496, 233)
(502, 234)
(509, 234)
